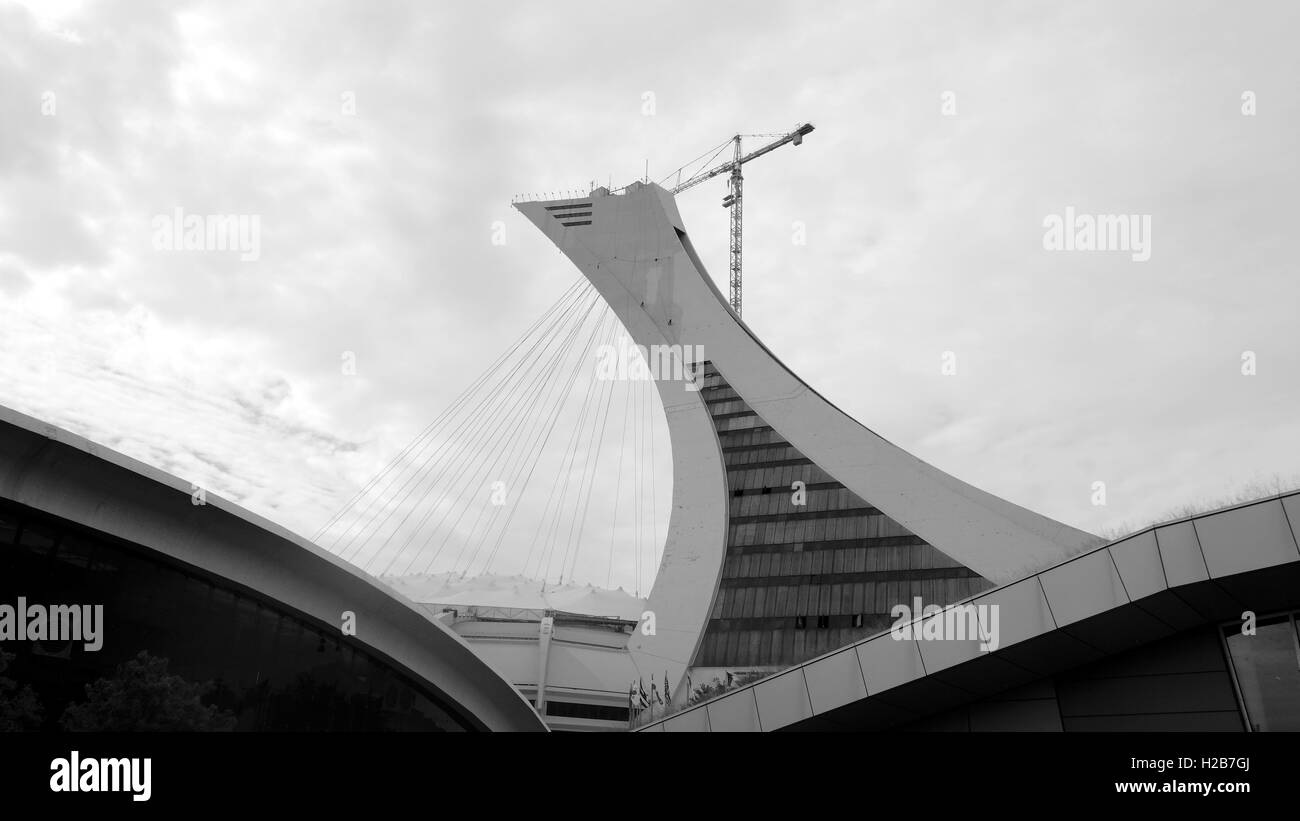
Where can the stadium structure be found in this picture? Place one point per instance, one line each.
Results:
(796, 535)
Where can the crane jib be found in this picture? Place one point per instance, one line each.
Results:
(734, 197)
(795, 137)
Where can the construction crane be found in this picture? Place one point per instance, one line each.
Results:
(733, 200)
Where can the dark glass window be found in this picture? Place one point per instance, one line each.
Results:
(264, 666)
(1267, 666)
(602, 712)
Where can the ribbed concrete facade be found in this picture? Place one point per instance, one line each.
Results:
(801, 579)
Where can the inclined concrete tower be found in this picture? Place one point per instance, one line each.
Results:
(750, 578)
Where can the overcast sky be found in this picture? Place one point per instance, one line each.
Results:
(379, 142)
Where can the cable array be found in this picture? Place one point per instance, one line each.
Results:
(515, 475)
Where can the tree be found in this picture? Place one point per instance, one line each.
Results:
(19, 709)
(717, 686)
(142, 697)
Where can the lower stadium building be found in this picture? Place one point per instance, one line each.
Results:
(1188, 626)
(572, 667)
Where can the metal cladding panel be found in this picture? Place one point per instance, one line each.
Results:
(1223, 721)
(584, 667)
(1023, 611)
(783, 699)
(1083, 587)
(1246, 538)
(1180, 553)
(1291, 507)
(948, 651)
(1138, 560)
(515, 661)
(690, 721)
(834, 680)
(1032, 716)
(1135, 695)
(735, 713)
(888, 662)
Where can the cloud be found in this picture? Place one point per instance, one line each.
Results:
(379, 145)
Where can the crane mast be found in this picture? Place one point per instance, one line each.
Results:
(737, 214)
(735, 198)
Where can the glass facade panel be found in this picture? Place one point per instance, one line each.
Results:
(262, 665)
(1267, 667)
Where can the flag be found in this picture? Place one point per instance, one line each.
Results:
(645, 697)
